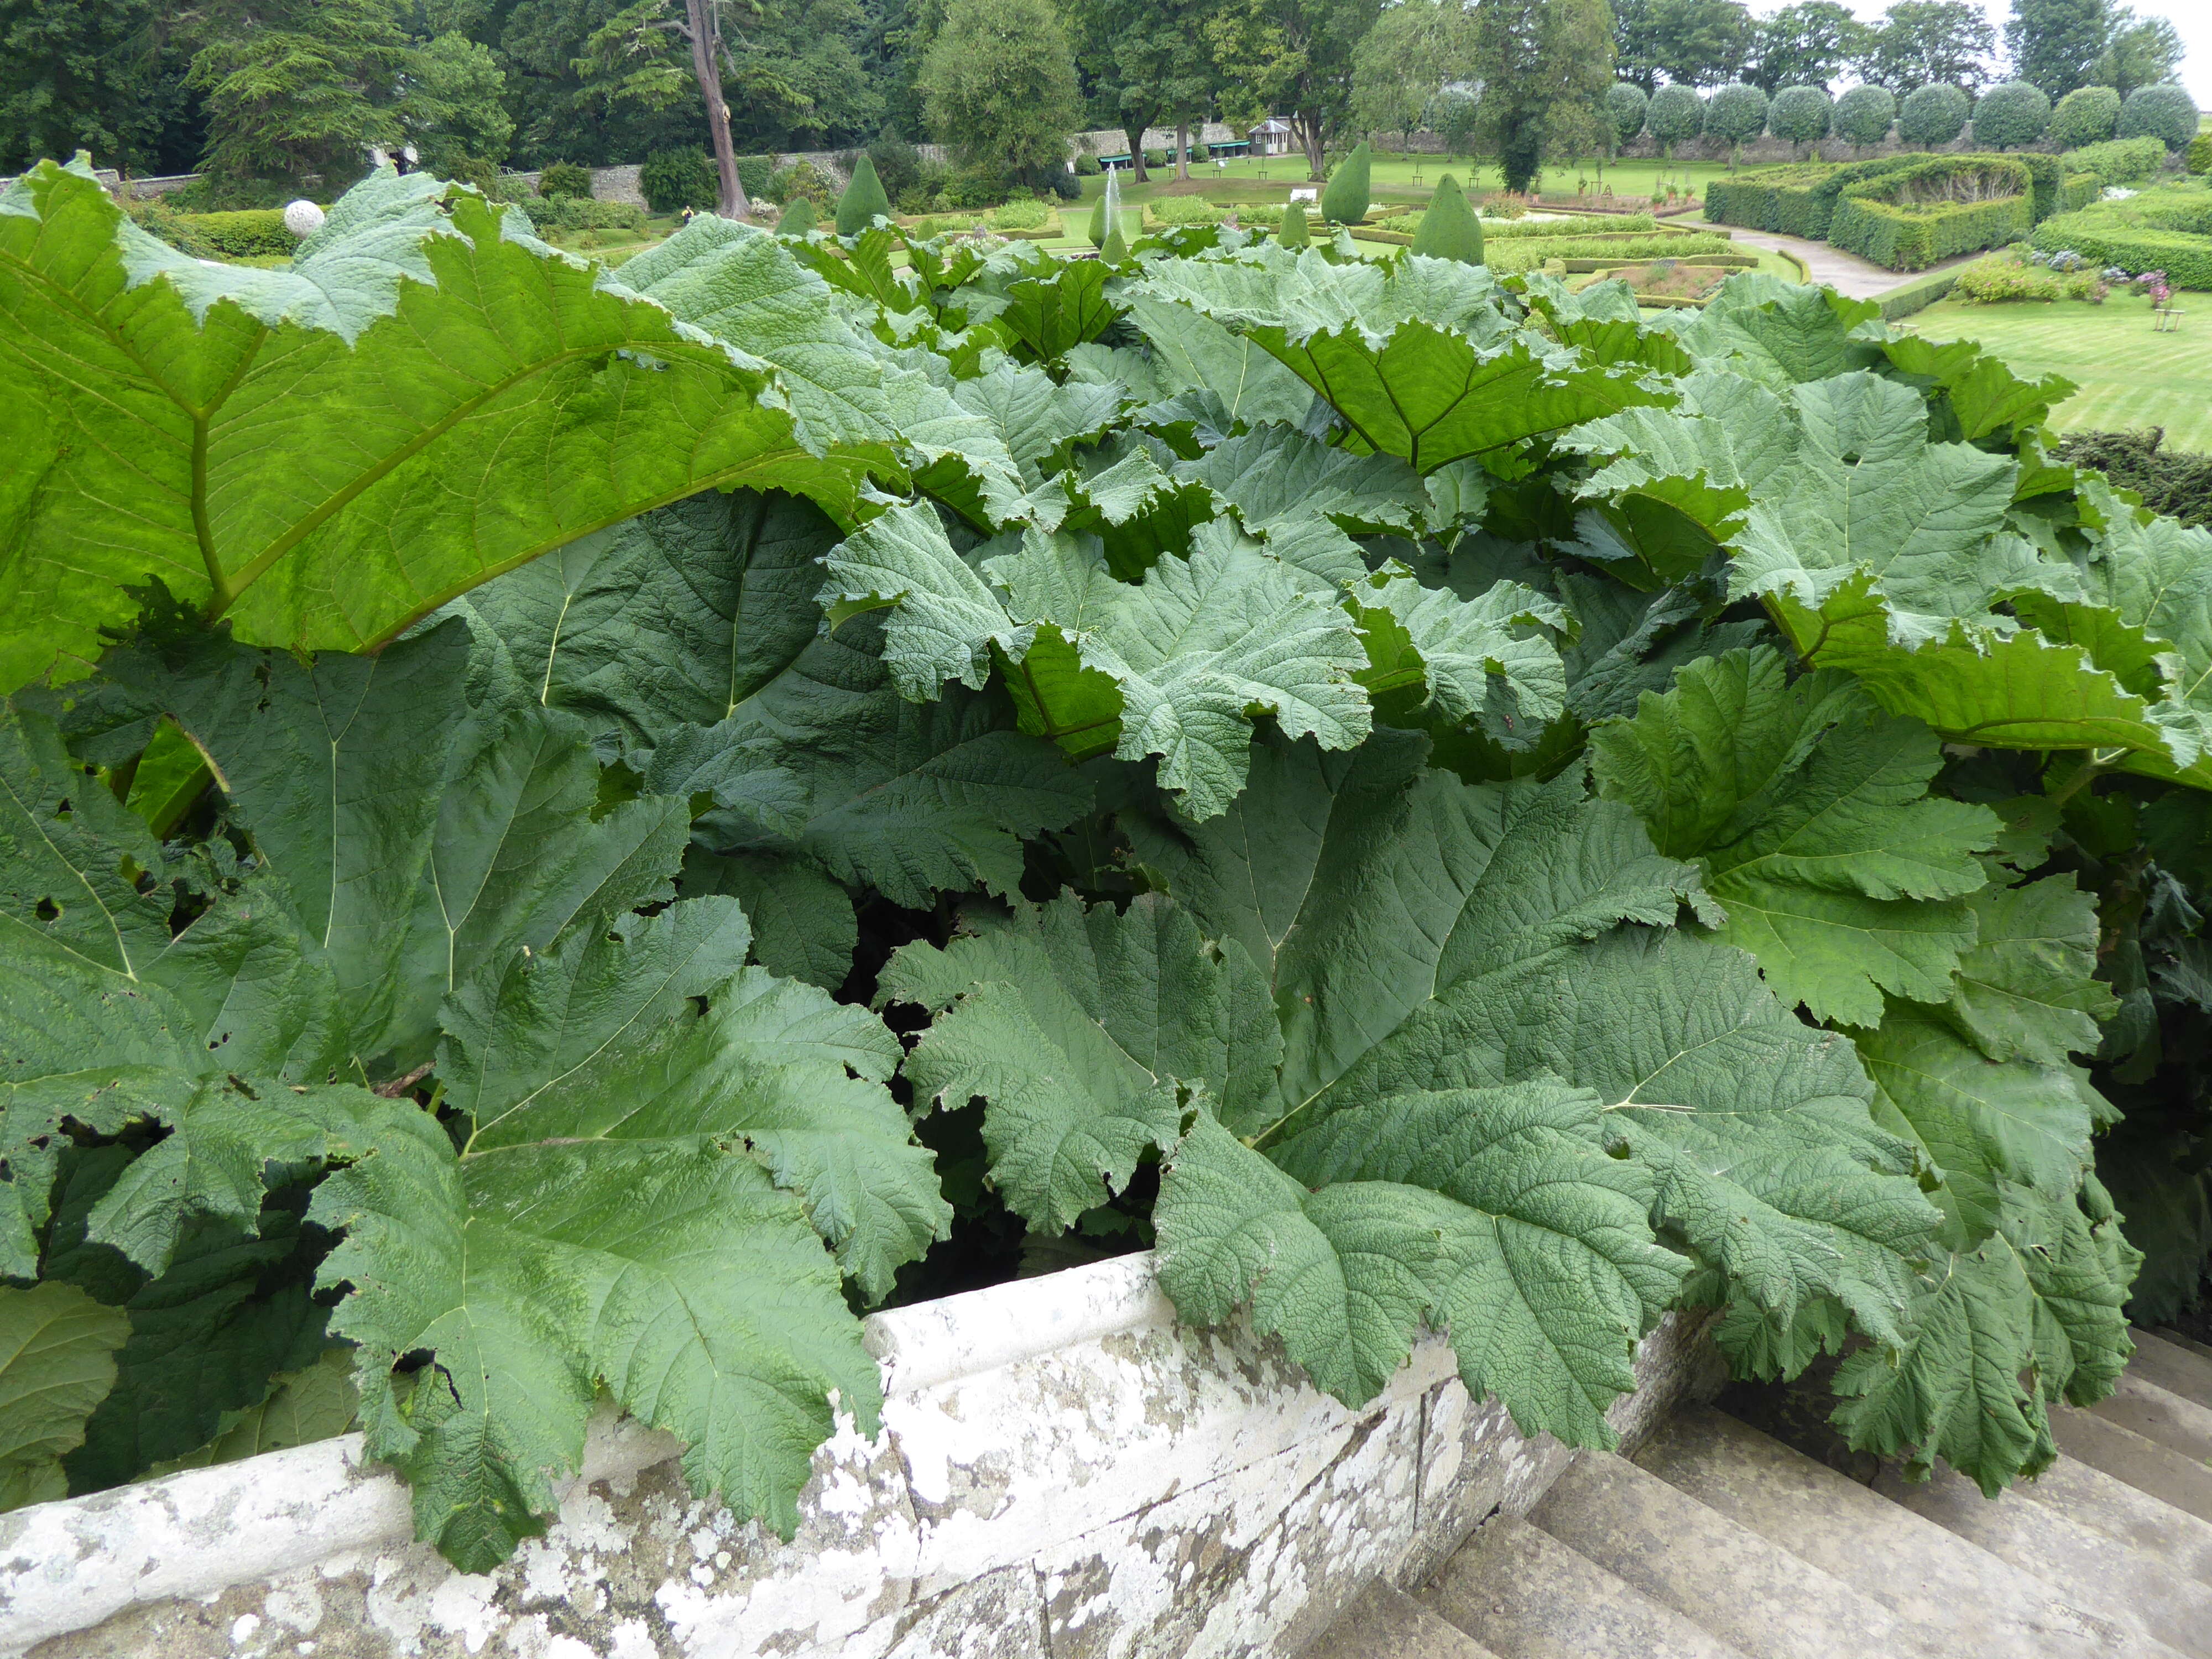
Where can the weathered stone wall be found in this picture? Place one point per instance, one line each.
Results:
(1063, 1473)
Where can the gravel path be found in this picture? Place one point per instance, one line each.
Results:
(1848, 274)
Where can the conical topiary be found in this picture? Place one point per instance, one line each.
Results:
(1345, 201)
(1114, 250)
(863, 200)
(1294, 232)
(1449, 229)
(798, 217)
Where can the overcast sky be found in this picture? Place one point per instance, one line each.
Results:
(2192, 18)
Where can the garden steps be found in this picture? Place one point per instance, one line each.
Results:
(1718, 1541)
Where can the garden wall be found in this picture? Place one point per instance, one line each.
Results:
(1063, 1472)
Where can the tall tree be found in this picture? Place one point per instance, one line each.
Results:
(1415, 49)
(1700, 43)
(1292, 58)
(999, 86)
(1921, 42)
(1807, 45)
(2054, 43)
(634, 55)
(74, 76)
(1149, 66)
(297, 90)
(453, 110)
(2141, 51)
(1635, 43)
(1545, 67)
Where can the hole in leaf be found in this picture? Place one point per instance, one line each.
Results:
(47, 910)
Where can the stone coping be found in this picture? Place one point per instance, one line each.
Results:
(1062, 1471)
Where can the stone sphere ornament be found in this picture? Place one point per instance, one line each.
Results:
(303, 219)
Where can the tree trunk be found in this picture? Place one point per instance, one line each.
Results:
(705, 31)
(1183, 149)
(1307, 128)
(1136, 136)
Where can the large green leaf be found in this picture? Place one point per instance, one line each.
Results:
(830, 764)
(57, 1363)
(674, 618)
(645, 1201)
(327, 452)
(2032, 1313)
(1195, 354)
(1807, 808)
(1177, 666)
(2027, 988)
(1417, 359)
(1082, 1030)
(1494, 1214)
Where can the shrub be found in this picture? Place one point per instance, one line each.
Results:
(2003, 279)
(673, 179)
(1021, 215)
(864, 199)
(1183, 210)
(2166, 113)
(1343, 200)
(1735, 112)
(1201, 152)
(1933, 115)
(564, 179)
(1676, 113)
(1088, 166)
(248, 233)
(2119, 161)
(802, 179)
(1797, 200)
(757, 174)
(2200, 155)
(1910, 219)
(1863, 114)
(583, 213)
(2011, 114)
(972, 187)
(1800, 115)
(797, 218)
(2086, 115)
(1295, 232)
(2174, 482)
(1449, 229)
(1156, 158)
(1626, 104)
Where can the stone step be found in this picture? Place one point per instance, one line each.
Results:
(2100, 1574)
(2162, 1471)
(2158, 1414)
(1524, 1594)
(1385, 1623)
(1937, 1582)
(2146, 1525)
(2167, 1334)
(2161, 1360)
(1741, 1587)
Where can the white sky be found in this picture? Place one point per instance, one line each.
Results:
(2191, 18)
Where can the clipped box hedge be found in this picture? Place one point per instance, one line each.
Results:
(2160, 230)
(1918, 216)
(1795, 200)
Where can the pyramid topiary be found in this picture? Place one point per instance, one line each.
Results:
(1345, 201)
(798, 217)
(1294, 232)
(1449, 229)
(863, 200)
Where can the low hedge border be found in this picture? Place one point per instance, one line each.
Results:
(2118, 161)
(1798, 199)
(251, 232)
(1902, 302)
(2168, 230)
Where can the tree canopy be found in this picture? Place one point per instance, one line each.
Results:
(999, 86)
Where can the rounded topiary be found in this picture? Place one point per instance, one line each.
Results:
(1449, 229)
(2200, 153)
(1294, 232)
(2161, 111)
(1345, 201)
(1625, 105)
(673, 179)
(798, 217)
(1735, 112)
(1933, 115)
(2015, 114)
(863, 199)
(1800, 115)
(1674, 113)
(564, 179)
(1088, 166)
(1863, 114)
(2086, 115)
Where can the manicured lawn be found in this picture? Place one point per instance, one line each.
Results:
(2128, 376)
